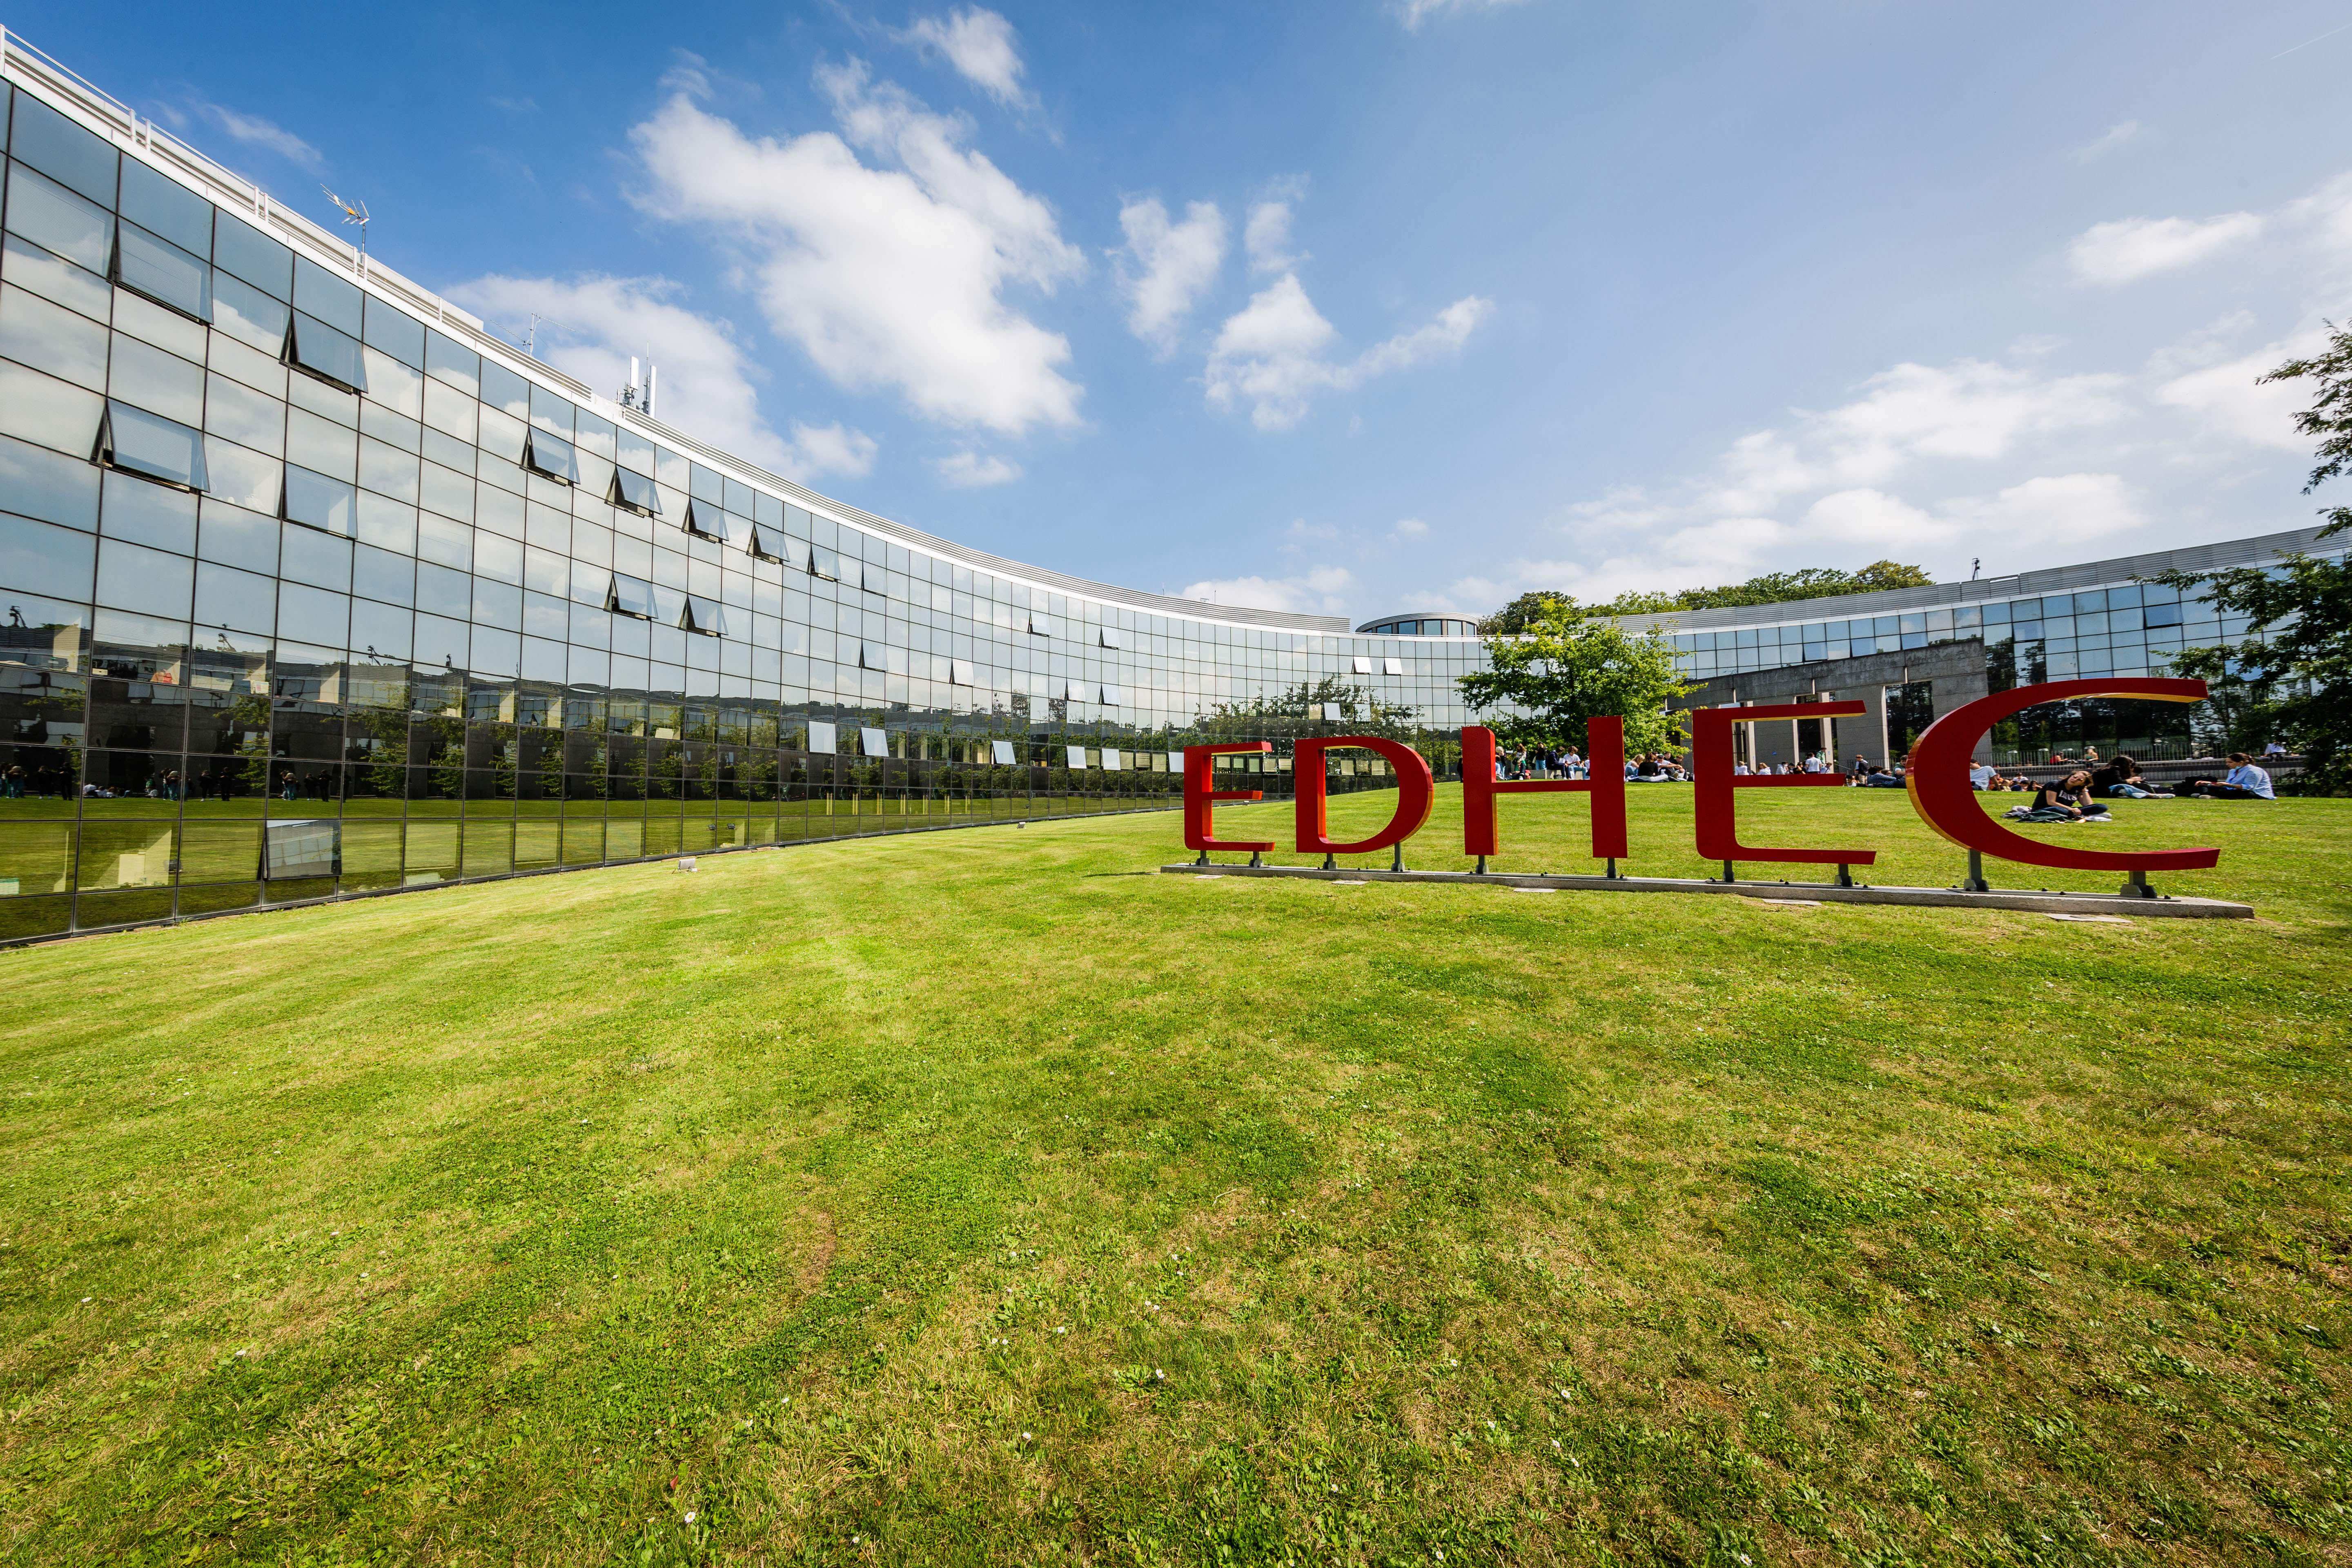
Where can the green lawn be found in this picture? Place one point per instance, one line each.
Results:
(981, 1196)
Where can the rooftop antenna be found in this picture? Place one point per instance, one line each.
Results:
(1976, 566)
(531, 336)
(639, 395)
(353, 214)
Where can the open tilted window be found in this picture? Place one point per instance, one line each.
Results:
(150, 446)
(551, 456)
(825, 563)
(630, 596)
(319, 350)
(636, 492)
(162, 272)
(703, 519)
(705, 616)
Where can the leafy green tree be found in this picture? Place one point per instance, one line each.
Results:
(1772, 588)
(1806, 582)
(2292, 679)
(1571, 666)
(1522, 613)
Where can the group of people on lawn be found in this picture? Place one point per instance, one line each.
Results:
(2079, 797)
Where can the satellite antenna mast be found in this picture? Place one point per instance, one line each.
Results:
(353, 214)
(531, 336)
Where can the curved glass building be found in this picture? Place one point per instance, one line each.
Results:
(314, 589)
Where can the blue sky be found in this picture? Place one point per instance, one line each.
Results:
(1357, 308)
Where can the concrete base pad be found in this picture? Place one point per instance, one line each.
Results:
(2163, 907)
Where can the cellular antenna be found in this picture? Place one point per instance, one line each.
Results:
(640, 394)
(354, 213)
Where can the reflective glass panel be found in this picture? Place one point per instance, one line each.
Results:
(326, 353)
(152, 446)
(56, 220)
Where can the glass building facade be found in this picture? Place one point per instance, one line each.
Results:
(313, 589)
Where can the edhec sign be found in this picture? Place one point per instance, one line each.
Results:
(1937, 782)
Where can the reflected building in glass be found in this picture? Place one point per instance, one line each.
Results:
(310, 588)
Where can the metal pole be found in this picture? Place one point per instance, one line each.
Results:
(1727, 874)
(1397, 862)
(1976, 882)
(1482, 867)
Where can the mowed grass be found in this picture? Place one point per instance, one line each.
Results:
(985, 1197)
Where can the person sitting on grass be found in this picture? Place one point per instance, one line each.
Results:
(2246, 781)
(2068, 800)
(2120, 780)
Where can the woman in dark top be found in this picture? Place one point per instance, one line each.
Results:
(2068, 800)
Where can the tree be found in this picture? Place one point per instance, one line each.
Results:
(1571, 666)
(1771, 588)
(2292, 680)
(1522, 613)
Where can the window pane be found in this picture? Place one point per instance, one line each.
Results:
(163, 271)
(50, 337)
(400, 335)
(30, 267)
(247, 478)
(131, 577)
(551, 412)
(551, 456)
(322, 445)
(166, 207)
(56, 220)
(36, 558)
(43, 409)
(244, 415)
(316, 499)
(242, 601)
(60, 149)
(393, 383)
(326, 352)
(150, 514)
(247, 314)
(632, 596)
(150, 444)
(448, 360)
(502, 388)
(164, 384)
(636, 492)
(241, 248)
(334, 300)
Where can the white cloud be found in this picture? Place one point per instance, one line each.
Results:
(834, 449)
(1972, 409)
(1318, 592)
(1414, 13)
(887, 276)
(2050, 506)
(1271, 355)
(2115, 137)
(2226, 399)
(2070, 506)
(2130, 250)
(1410, 528)
(979, 44)
(253, 131)
(1266, 237)
(592, 325)
(1165, 266)
(970, 470)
